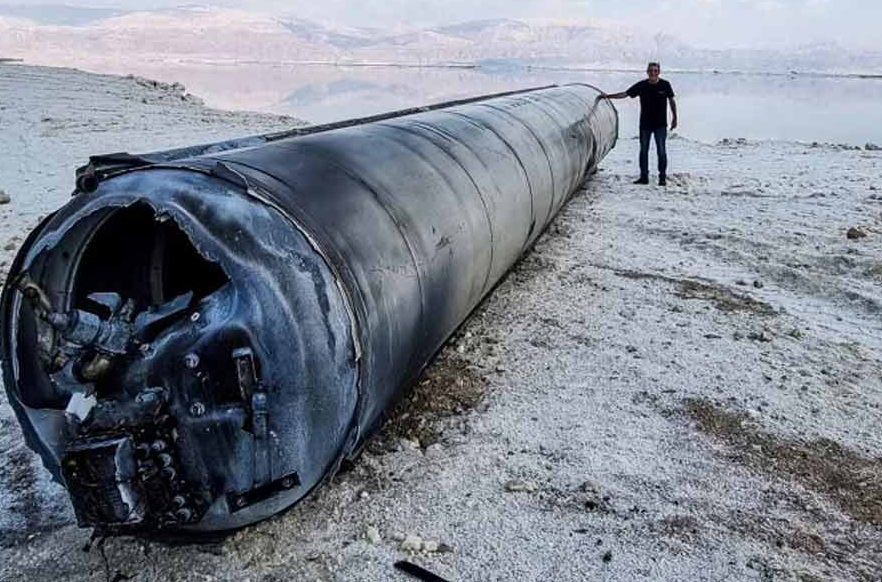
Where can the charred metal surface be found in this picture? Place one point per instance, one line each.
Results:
(199, 338)
(106, 165)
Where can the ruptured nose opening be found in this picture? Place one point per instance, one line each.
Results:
(97, 307)
(181, 356)
(144, 257)
(109, 284)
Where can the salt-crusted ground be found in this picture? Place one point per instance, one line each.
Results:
(679, 383)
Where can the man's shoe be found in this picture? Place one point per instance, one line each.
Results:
(642, 180)
(662, 181)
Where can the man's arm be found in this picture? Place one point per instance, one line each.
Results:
(621, 95)
(674, 111)
(634, 91)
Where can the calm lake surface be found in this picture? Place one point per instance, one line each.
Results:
(712, 106)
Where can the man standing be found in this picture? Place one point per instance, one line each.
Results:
(654, 93)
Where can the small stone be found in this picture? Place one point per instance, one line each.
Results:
(737, 336)
(855, 234)
(373, 535)
(741, 282)
(758, 284)
(9, 246)
(4, 197)
(412, 543)
(607, 557)
(871, 147)
(796, 334)
(434, 450)
(590, 487)
(408, 445)
(431, 546)
(762, 336)
(518, 486)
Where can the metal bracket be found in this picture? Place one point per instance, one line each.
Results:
(239, 501)
(252, 393)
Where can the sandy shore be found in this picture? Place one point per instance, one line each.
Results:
(676, 384)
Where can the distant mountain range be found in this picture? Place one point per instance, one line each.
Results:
(73, 36)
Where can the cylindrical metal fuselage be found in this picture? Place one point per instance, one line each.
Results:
(198, 339)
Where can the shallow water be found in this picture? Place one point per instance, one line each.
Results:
(712, 106)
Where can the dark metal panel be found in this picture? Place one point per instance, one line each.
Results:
(497, 176)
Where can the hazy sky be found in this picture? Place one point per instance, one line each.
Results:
(724, 23)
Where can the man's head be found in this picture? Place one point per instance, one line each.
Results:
(653, 70)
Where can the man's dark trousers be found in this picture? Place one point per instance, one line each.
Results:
(661, 136)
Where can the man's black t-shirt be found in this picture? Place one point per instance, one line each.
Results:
(653, 102)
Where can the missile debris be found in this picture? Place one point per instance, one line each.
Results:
(201, 336)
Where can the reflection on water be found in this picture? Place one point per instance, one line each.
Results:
(712, 106)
